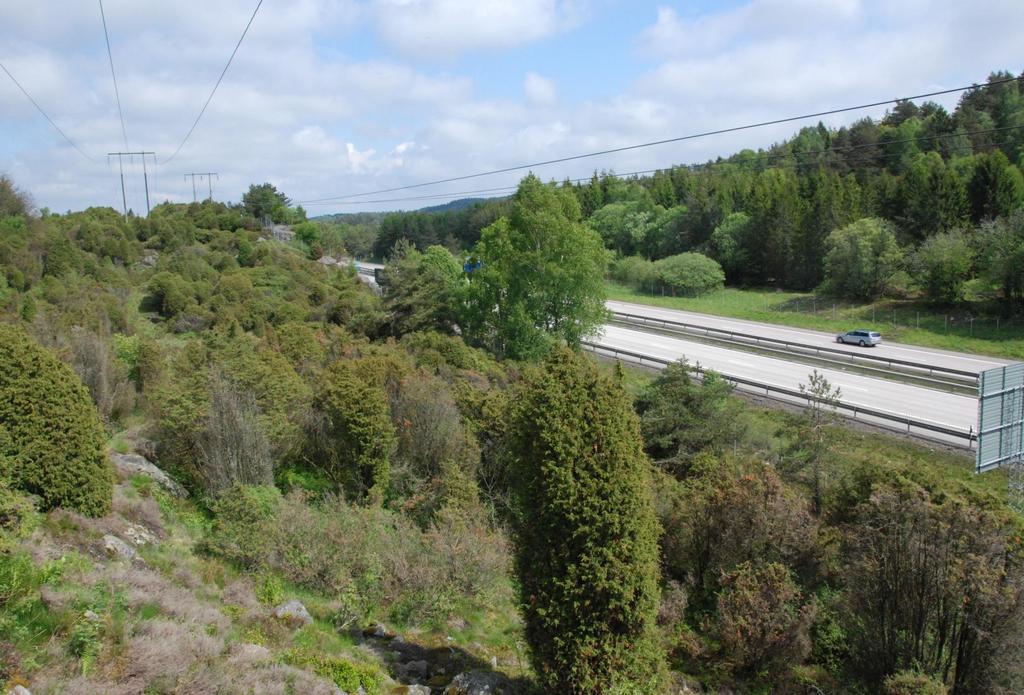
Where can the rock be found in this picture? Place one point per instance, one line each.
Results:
(293, 613)
(377, 630)
(417, 690)
(139, 535)
(133, 464)
(19, 690)
(479, 683)
(91, 616)
(414, 669)
(116, 547)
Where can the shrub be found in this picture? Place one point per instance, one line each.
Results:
(914, 600)
(690, 274)
(585, 531)
(55, 436)
(762, 622)
(680, 418)
(725, 514)
(104, 375)
(347, 675)
(232, 446)
(943, 265)
(16, 516)
(243, 517)
(355, 435)
(913, 683)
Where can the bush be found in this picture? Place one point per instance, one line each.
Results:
(680, 418)
(349, 676)
(373, 559)
(16, 516)
(54, 432)
(585, 531)
(762, 622)
(943, 265)
(690, 274)
(913, 683)
(232, 446)
(913, 601)
(355, 437)
(243, 517)
(725, 514)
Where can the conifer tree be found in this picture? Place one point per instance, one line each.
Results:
(54, 439)
(585, 530)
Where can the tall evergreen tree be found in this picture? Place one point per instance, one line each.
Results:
(585, 530)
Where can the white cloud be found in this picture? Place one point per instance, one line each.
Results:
(539, 90)
(446, 28)
(303, 108)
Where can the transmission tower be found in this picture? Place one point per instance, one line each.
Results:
(209, 180)
(145, 176)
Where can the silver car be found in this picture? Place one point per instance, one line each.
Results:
(860, 337)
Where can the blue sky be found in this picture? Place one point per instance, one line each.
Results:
(334, 97)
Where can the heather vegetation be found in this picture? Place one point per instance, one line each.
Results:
(381, 491)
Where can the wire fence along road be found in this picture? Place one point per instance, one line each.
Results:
(923, 412)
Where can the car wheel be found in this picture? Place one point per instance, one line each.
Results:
(862, 343)
(839, 339)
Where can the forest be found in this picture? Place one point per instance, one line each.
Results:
(228, 467)
(925, 198)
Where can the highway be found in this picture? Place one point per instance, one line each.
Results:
(909, 353)
(923, 404)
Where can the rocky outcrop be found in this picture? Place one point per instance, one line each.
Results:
(133, 464)
(117, 548)
(293, 613)
(480, 683)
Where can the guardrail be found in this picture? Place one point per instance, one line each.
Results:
(970, 378)
(772, 391)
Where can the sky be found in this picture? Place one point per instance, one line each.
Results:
(329, 98)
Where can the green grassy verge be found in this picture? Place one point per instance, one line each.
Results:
(903, 321)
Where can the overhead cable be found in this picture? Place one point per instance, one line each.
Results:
(214, 90)
(117, 93)
(45, 115)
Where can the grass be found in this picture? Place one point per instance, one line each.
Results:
(904, 321)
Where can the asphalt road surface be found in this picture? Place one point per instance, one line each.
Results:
(947, 409)
(937, 358)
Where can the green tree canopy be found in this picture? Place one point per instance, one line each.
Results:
(541, 275)
(264, 200)
(943, 265)
(861, 258)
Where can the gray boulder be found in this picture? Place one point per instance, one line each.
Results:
(117, 548)
(133, 464)
(293, 613)
(480, 683)
(414, 669)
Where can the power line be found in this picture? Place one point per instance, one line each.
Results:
(214, 91)
(45, 115)
(117, 94)
(666, 141)
(761, 162)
